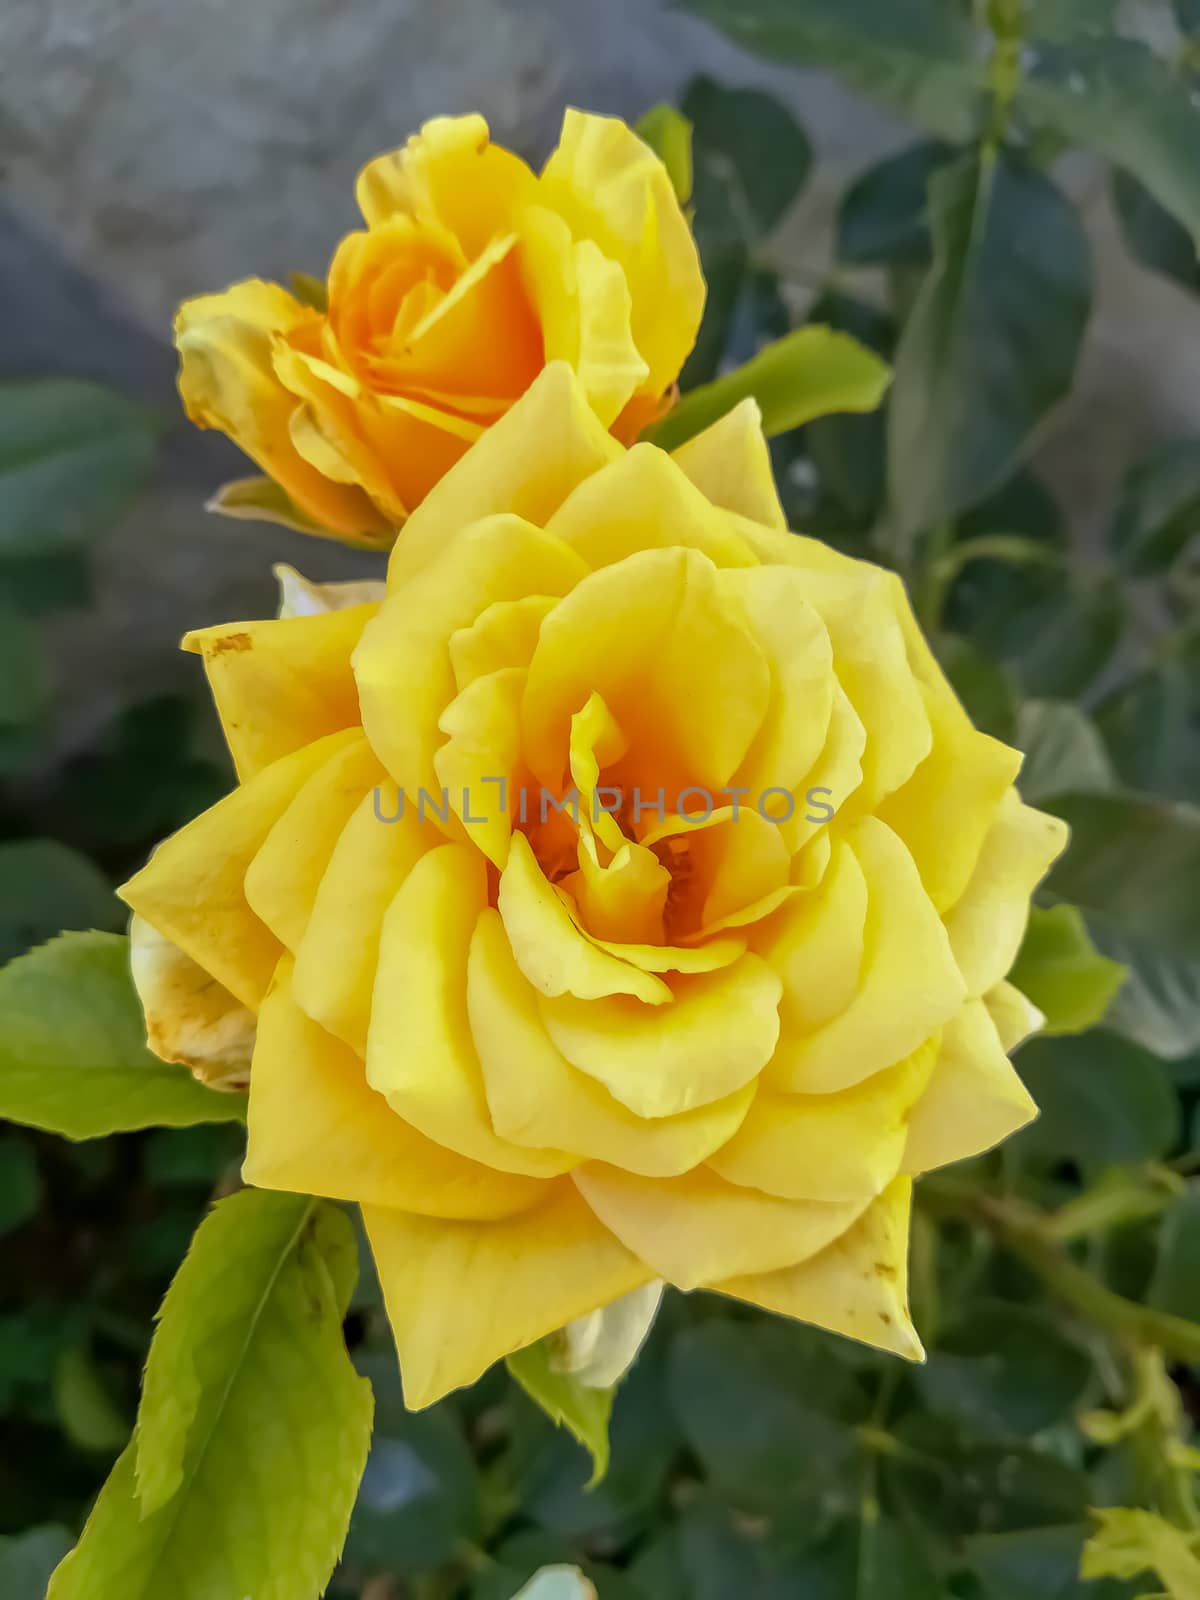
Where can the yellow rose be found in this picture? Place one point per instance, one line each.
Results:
(472, 273)
(555, 1056)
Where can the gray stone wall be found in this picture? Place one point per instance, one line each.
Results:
(150, 149)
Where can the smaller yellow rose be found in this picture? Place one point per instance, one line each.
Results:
(473, 273)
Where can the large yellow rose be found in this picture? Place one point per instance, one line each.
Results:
(472, 273)
(577, 1033)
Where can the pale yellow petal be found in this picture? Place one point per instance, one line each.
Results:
(462, 1295)
(525, 464)
(696, 1230)
(537, 1098)
(816, 944)
(974, 1099)
(730, 464)
(908, 986)
(829, 1146)
(987, 923)
(335, 965)
(1015, 1016)
(193, 887)
(715, 1036)
(402, 664)
(420, 1052)
(858, 1286)
(189, 1017)
(281, 684)
(315, 1127)
(681, 674)
(282, 880)
(555, 956)
(612, 188)
(645, 501)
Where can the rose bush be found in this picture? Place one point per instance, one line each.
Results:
(472, 273)
(558, 1051)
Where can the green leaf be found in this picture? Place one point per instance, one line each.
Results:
(1075, 636)
(72, 455)
(1175, 1286)
(983, 686)
(809, 373)
(884, 214)
(750, 161)
(1062, 972)
(73, 1056)
(991, 344)
(1158, 1005)
(752, 158)
(1116, 96)
(1064, 20)
(1063, 750)
(1134, 860)
(25, 683)
(1187, 14)
(36, 585)
(419, 1500)
(766, 1407)
(1004, 1370)
(253, 1427)
(921, 57)
(46, 888)
(558, 1583)
(583, 1411)
(1103, 1101)
(1150, 727)
(87, 1410)
(847, 450)
(1128, 1542)
(870, 1558)
(1034, 1564)
(1158, 512)
(669, 134)
(20, 1181)
(1152, 234)
(27, 1561)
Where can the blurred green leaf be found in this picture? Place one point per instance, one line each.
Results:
(87, 1410)
(808, 373)
(1035, 1564)
(847, 449)
(669, 135)
(1158, 1005)
(1152, 234)
(1004, 1370)
(1158, 512)
(26, 1562)
(884, 214)
(1063, 20)
(983, 686)
(72, 455)
(1151, 726)
(46, 889)
(766, 1408)
(1175, 1286)
(1129, 1542)
(1187, 13)
(1073, 639)
(1063, 750)
(25, 684)
(1134, 860)
(20, 1181)
(73, 1056)
(1103, 1101)
(253, 1427)
(872, 1558)
(921, 57)
(584, 1412)
(35, 585)
(1116, 96)
(991, 344)
(419, 1499)
(751, 158)
(1061, 971)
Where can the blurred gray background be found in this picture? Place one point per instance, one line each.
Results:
(152, 149)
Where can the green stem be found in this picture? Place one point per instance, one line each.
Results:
(1100, 1210)
(1006, 18)
(1024, 1234)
